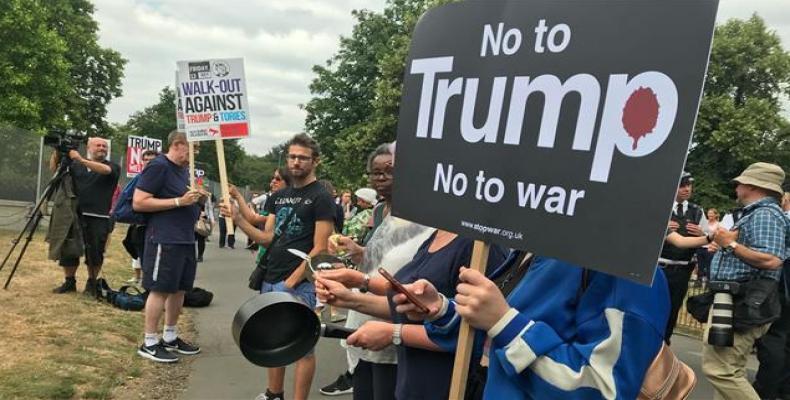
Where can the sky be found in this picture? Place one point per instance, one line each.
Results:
(280, 41)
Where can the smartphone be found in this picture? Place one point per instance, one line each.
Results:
(398, 287)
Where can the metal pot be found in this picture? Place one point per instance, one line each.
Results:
(276, 329)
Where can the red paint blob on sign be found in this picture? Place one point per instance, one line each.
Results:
(640, 114)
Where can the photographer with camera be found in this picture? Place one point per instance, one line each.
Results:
(744, 279)
(95, 179)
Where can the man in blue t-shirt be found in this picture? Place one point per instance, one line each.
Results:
(169, 261)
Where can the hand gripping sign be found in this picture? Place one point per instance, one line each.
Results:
(554, 126)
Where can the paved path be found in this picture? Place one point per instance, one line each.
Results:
(221, 372)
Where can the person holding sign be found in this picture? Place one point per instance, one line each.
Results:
(300, 217)
(424, 369)
(169, 262)
(553, 329)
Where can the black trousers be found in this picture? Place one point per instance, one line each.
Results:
(223, 233)
(374, 381)
(773, 352)
(201, 245)
(678, 281)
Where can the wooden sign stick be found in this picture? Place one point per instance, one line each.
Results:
(192, 165)
(466, 335)
(223, 182)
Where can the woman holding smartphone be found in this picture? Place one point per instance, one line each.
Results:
(424, 369)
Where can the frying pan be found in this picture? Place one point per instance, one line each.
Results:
(276, 329)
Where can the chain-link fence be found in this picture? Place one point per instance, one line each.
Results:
(21, 159)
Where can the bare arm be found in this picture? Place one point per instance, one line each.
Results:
(748, 255)
(97, 167)
(143, 201)
(246, 211)
(757, 259)
(263, 237)
(688, 242)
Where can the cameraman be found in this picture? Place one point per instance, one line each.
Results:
(95, 179)
(752, 253)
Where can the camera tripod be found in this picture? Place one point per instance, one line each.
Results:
(36, 215)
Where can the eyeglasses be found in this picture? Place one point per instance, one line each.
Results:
(380, 174)
(297, 157)
(277, 178)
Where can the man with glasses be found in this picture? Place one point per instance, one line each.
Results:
(299, 217)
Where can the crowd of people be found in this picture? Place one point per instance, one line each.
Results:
(592, 335)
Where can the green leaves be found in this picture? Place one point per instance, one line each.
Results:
(357, 93)
(740, 119)
(53, 70)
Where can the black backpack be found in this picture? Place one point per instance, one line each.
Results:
(198, 297)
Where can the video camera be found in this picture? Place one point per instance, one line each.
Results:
(721, 332)
(64, 140)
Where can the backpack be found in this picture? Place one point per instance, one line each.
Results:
(198, 297)
(128, 301)
(123, 211)
(121, 298)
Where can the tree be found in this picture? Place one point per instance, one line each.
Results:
(54, 72)
(356, 95)
(740, 120)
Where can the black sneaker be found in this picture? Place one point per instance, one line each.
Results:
(69, 285)
(270, 396)
(157, 353)
(343, 385)
(181, 346)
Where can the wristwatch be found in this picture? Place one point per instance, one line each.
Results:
(396, 331)
(733, 245)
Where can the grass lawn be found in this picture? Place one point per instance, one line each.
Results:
(72, 346)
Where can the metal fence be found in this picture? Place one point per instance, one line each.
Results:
(686, 324)
(22, 164)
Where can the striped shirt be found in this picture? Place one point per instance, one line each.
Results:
(763, 227)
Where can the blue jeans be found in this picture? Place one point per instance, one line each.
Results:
(305, 291)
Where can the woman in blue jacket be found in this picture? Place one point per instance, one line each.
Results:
(560, 333)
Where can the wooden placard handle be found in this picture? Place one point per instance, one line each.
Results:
(192, 165)
(463, 353)
(223, 182)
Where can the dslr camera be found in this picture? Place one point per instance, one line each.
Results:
(64, 140)
(720, 332)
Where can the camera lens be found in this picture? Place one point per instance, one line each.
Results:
(720, 332)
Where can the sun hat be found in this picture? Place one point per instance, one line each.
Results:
(367, 194)
(763, 175)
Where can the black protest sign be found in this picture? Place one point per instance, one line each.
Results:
(555, 126)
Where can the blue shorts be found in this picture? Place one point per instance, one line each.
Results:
(169, 268)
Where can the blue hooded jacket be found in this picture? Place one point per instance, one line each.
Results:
(557, 344)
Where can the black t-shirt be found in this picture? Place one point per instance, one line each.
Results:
(312, 203)
(95, 190)
(419, 369)
(166, 180)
